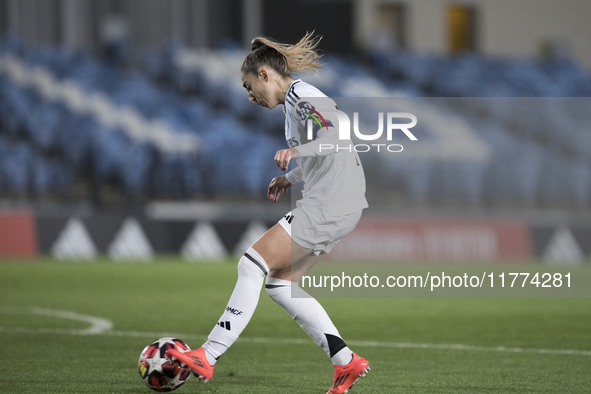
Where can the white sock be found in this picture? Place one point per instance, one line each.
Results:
(312, 317)
(252, 269)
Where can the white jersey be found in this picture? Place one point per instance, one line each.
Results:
(334, 181)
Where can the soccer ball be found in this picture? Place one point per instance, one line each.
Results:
(158, 373)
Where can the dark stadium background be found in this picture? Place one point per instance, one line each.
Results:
(159, 59)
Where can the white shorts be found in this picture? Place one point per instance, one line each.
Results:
(310, 228)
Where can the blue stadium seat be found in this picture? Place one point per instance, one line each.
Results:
(541, 150)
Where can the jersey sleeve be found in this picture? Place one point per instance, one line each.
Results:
(316, 115)
(325, 144)
(295, 175)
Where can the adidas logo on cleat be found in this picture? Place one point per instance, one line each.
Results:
(340, 380)
(346, 375)
(197, 361)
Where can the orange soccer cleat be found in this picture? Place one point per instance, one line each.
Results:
(195, 361)
(346, 375)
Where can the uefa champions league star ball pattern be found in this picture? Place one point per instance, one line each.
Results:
(158, 373)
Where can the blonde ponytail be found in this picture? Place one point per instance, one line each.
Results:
(284, 58)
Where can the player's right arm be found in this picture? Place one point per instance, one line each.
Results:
(278, 184)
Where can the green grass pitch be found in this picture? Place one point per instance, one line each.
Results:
(273, 354)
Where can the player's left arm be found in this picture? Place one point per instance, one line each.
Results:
(325, 144)
(325, 138)
(326, 135)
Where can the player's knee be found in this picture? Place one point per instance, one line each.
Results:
(252, 263)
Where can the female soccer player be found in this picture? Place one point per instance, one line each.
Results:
(333, 199)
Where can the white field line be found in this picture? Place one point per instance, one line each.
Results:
(100, 326)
